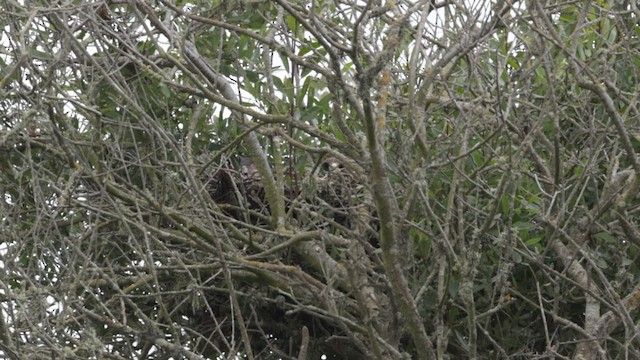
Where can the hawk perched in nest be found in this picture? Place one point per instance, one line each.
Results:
(332, 164)
(238, 184)
(229, 179)
(336, 184)
(248, 170)
(251, 184)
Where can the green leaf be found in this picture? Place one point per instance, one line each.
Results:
(278, 83)
(311, 113)
(164, 89)
(252, 76)
(531, 206)
(569, 16)
(516, 257)
(292, 23)
(303, 91)
(613, 35)
(504, 201)
(526, 226)
(41, 55)
(533, 241)
(513, 62)
(606, 237)
(304, 49)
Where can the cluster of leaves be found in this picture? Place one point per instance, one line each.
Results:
(339, 179)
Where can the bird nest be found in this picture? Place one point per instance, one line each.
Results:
(236, 186)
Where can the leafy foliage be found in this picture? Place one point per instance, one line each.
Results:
(291, 180)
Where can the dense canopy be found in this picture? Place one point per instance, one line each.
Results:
(325, 178)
